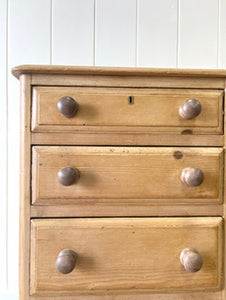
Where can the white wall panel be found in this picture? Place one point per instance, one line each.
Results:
(3, 148)
(73, 32)
(115, 33)
(28, 42)
(157, 33)
(222, 35)
(198, 33)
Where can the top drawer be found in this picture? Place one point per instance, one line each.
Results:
(126, 110)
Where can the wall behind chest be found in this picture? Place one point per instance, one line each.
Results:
(142, 33)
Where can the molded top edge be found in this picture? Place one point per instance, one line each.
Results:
(121, 71)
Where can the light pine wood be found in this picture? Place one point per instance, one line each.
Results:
(123, 71)
(224, 208)
(126, 175)
(111, 210)
(106, 81)
(110, 110)
(97, 80)
(25, 194)
(141, 139)
(125, 254)
(143, 296)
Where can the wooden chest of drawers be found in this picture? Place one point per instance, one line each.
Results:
(122, 183)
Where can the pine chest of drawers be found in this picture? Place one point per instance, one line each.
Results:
(122, 183)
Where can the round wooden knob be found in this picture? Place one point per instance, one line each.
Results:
(67, 106)
(191, 260)
(66, 261)
(68, 176)
(190, 109)
(192, 176)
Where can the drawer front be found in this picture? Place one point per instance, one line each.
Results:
(131, 254)
(79, 175)
(124, 110)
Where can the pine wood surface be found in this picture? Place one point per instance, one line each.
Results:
(109, 110)
(164, 80)
(125, 254)
(128, 81)
(64, 70)
(121, 210)
(130, 139)
(143, 296)
(25, 193)
(126, 175)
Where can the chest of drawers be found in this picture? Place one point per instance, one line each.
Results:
(122, 183)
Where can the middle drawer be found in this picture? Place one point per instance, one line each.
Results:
(70, 175)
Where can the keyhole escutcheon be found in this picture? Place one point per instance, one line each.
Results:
(131, 100)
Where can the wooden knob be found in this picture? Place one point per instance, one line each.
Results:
(68, 176)
(190, 109)
(192, 176)
(191, 260)
(66, 261)
(67, 106)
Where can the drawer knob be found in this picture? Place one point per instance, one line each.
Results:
(191, 260)
(66, 261)
(67, 106)
(192, 176)
(190, 109)
(68, 176)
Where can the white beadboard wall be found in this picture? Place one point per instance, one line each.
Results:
(141, 33)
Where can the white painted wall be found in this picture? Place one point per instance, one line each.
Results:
(163, 33)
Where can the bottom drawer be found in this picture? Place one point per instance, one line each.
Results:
(112, 255)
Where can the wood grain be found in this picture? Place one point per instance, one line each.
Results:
(205, 232)
(143, 296)
(128, 81)
(224, 210)
(25, 193)
(69, 70)
(125, 254)
(130, 139)
(107, 110)
(126, 175)
(120, 210)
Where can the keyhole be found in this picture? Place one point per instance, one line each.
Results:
(131, 100)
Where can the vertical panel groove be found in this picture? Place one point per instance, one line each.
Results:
(28, 42)
(51, 33)
(218, 34)
(73, 26)
(115, 32)
(222, 35)
(178, 33)
(7, 87)
(3, 148)
(94, 33)
(198, 33)
(136, 35)
(158, 33)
